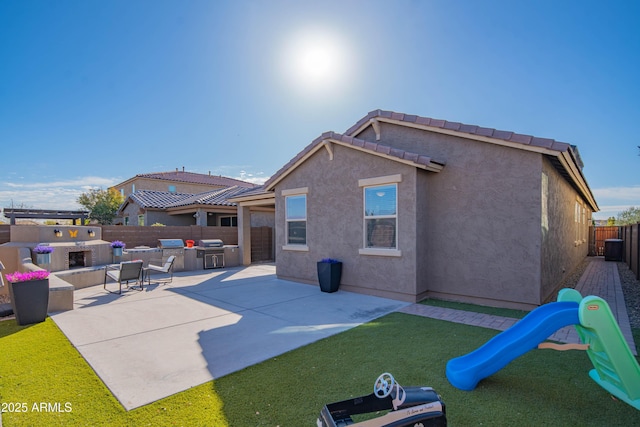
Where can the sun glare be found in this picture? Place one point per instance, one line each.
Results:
(316, 61)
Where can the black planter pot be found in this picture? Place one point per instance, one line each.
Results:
(30, 300)
(329, 274)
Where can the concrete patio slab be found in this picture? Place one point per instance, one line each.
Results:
(172, 336)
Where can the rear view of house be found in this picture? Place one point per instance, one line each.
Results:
(417, 208)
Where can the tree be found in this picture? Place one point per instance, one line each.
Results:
(101, 204)
(611, 221)
(629, 216)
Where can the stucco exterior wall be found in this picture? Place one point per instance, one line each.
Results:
(423, 247)
(152, 216)
(564, 242)
(481, 219)
(496, 226)
(263, 219)
(335, 224)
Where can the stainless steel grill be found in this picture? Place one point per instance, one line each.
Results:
(212, 252)
(173, 247)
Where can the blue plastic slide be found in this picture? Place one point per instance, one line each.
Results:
(466, 371)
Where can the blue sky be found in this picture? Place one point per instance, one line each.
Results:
(94, 92)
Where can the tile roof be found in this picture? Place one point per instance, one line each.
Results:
(196, 178)
(166, 200)
(418, 160)
(503, 135)
(561, 153)
(214, 198)
(156, 199)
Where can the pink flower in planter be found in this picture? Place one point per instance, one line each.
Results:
(28, 276)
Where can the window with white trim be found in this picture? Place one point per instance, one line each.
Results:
(380, 216)
(296, 219)
(580, 220)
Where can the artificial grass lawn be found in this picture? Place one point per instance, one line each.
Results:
(543, 387)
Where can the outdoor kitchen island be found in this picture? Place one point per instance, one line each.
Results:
(188, 258)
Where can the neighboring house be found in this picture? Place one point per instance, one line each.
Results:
(417, 207)
(179, 198)
(178, 182)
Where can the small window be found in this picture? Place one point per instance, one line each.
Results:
(380, 216)
(122, 192)
(140, 219)
(133, 188)
(172, 189)
(296, 219)
(126, 220)
(229, 221)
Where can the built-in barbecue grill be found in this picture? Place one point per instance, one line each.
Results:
(174, 247)
(212, 252)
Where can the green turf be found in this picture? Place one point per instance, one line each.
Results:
(543, 387)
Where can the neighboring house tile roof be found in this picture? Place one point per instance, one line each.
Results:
(405, 156)
(156, 199)
(167, 200)
(196, 178)
(503, 135)
(215, 198)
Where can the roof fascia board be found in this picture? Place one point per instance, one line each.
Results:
(260, 202)
(568, 164)
(208, 208)
(267, 197)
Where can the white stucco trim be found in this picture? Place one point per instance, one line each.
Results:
(327, 144)
(376, 128)
(295, 191)
(296, 248)
(380, 180)
(380, 252)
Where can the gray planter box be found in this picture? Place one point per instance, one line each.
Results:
(329, 274)
(30, 300)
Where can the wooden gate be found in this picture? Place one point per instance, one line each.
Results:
(597, 236)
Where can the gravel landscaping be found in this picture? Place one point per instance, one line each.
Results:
(631, 291)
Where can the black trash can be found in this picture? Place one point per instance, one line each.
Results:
(613, 250)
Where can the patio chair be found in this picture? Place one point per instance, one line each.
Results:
(130, 271)
(166, 268)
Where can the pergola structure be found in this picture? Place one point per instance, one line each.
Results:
(14, 214)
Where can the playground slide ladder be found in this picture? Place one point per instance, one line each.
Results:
(615, 368)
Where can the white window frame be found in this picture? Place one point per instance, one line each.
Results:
(378, 182)
(295, 192)
(580, 220)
